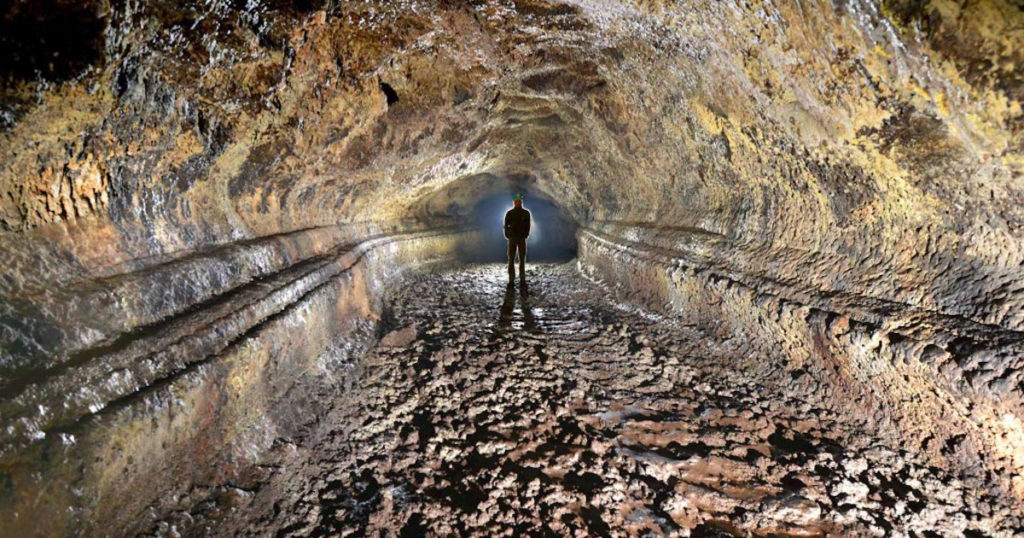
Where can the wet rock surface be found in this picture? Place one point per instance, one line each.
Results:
(489, 411)
(832, 190)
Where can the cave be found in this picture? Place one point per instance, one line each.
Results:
(253, 268)
(478, 202)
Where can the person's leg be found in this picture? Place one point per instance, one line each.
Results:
(511, 261)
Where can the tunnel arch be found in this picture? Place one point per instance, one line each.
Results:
(834, 186)
(479, 202)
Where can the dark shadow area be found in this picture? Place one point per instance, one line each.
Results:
(53, 41)
(389, 93)
(507, 318)
(43, 43)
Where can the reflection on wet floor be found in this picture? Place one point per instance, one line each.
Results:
(591, 419)
(521, 318)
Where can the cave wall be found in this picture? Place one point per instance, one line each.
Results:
(944, 387)
(836, 159)
(848, 132)
(197, 400)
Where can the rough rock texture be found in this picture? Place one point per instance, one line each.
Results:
(910, 369)
(188, 400)
(834, 184)
(557, 413)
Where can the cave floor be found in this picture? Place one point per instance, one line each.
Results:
(487, 412)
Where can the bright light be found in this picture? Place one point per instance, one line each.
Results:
(489, 214)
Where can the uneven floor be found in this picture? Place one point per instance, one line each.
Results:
(490, 412)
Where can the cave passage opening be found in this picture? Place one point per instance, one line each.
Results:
(552, 231)
(479, 202)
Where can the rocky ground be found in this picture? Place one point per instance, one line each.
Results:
(488, 411)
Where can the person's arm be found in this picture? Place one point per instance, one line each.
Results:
(529, 219)
(507, 224)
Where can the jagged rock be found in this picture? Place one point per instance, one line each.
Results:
(204, 205)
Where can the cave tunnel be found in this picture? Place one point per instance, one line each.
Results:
(253, 283)
(479, 203)
(552, 236)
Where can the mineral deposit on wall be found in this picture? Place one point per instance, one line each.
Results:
(208, 209)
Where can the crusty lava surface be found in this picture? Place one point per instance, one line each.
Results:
(487, 412)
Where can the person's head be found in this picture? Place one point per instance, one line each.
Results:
(517, 200)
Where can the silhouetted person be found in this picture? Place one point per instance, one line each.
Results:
(517, 229)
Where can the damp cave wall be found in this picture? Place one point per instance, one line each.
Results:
(836, 184)
(197, 399)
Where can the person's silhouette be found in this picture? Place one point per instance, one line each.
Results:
(517, 229)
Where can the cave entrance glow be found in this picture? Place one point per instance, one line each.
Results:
(552, 233)
(479, 202)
